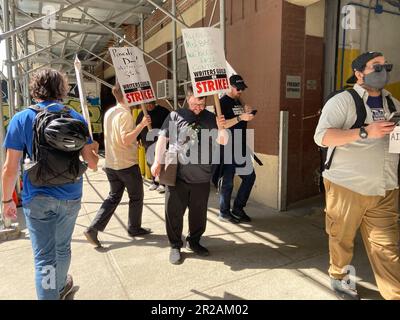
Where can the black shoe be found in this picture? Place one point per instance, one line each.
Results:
(228, 218)
(175, 256)
(344, 290)
(241, 215)
(197, 248)
(139, 232)
(91, 236)
(69, 285)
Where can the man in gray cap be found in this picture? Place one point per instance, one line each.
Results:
(361, 182)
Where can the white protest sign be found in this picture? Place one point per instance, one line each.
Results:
(394, 144)
(206, 60)
(132, 75)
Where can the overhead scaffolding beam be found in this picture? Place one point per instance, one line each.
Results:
(60, 26)
(26, 26)
(169, 14)
(123, 39)
(66, 39)
(61, 60)
(110, 5)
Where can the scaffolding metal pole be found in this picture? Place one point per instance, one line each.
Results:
(141, 31)
(16, 69)
(15, 31)
(10, 83)
(172, 16)
(3, 222)
(174, 57)
(122, 38)
(222, 21)
(27, 101)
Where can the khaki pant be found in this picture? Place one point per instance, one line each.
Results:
(377, 217)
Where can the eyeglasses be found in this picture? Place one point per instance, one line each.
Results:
(380, 67)
(200, 105)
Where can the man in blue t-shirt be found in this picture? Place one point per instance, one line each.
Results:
(50, 211)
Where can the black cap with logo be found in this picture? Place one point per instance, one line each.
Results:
(360, 63)
(237, 82)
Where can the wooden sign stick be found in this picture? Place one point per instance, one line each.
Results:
(145, 113)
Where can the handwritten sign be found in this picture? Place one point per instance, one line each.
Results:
(394, 144)
(132, 75)
(206, 60)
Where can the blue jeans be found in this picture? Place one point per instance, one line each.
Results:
(51, 223)
(229, 171)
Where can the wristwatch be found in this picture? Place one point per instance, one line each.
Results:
(363, 133)
(7, 201)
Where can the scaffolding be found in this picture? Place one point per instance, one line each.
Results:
(49, 33)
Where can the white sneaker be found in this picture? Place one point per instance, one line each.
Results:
(161, 189)
(153, 187)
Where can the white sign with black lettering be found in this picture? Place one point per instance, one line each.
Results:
(394, 145)
(293, 87)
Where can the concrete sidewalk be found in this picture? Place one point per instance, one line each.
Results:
(276, 256)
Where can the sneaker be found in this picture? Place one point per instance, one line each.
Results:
(161, 189)
(139, 232)
(69, 285)
(153, 187)
(241, 215)
(175, 256)
(343, 290)
(228, 218)
(197, 248)
(91, 236)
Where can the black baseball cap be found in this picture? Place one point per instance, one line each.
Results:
(237, 82)
(360, 63)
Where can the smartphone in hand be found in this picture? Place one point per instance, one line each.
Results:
(394, 117)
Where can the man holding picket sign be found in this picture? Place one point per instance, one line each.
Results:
(193, 134)
(133, 87)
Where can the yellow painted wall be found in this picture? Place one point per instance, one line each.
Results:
(383, 37)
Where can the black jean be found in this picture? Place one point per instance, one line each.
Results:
(131, 179)
(177, 199)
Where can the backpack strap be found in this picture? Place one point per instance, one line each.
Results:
(35, 108)
(360, 120)
(390, 103)
(360, 109)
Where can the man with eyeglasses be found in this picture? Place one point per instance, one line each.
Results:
(188, 132)
(237, 116)
(362, 182)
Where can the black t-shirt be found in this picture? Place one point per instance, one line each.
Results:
(232, 108)
(158, 116)
(188, 127)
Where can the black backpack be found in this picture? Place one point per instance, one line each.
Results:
(360, 121)
(49, 166)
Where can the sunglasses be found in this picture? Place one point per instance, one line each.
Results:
(380, 67)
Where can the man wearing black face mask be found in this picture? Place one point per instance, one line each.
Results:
(361, 183)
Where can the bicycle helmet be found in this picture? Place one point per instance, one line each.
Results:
(66, 134)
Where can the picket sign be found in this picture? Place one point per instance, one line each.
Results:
(394, 142)
(133, 77)
(207, 64)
